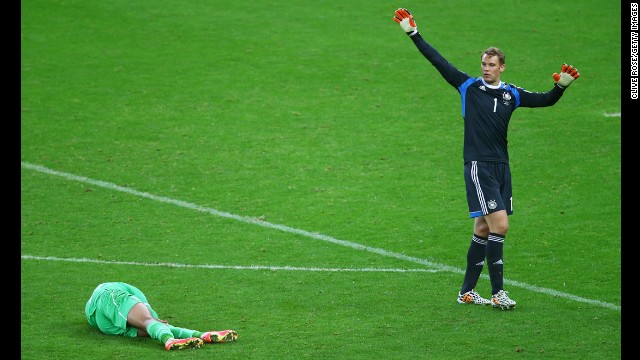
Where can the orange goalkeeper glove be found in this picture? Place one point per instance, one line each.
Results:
(566, 76)
(405, 19)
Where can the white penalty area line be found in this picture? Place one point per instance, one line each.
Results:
(313, 235)
(612, 114)
(234, 267)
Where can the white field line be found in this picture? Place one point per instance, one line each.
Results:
(235, 267)
(313, 235)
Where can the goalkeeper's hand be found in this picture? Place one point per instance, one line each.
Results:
(566, 76)
(405, 19)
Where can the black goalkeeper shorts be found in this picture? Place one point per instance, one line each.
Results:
(488, 187)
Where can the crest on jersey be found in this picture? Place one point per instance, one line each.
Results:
(492, 204)
(506, 98)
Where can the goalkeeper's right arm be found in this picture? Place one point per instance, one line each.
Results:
(449, 72)
(406, 21)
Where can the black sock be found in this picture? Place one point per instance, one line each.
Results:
(495, 244)
(475, 262)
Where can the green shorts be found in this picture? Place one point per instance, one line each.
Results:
(109, 305)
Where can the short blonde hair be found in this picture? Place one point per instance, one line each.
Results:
(494, 51)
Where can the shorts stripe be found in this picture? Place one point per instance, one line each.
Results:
(476, 183)
(117, 305)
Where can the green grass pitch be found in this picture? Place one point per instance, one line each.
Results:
(293, 170)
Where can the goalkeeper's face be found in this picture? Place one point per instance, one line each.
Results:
(491, 69)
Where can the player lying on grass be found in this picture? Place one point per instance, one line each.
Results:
(487, 105)
(117, 308)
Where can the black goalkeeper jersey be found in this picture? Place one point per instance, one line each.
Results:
(486, 109)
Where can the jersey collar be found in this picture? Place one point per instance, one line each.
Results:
(500, 85)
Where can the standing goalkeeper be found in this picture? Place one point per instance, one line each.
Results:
(487, 105)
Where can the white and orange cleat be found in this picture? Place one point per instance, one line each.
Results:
(472, 297)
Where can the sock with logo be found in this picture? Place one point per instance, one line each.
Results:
(475, 262)
(495, 245)
(159, 331)
(183, 333)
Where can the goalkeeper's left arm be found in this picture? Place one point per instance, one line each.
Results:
(567, 75)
